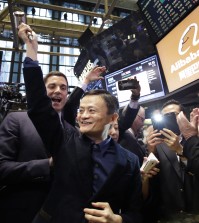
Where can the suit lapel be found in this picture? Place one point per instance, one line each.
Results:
(84, 165)
(172, 157)
(85, 169)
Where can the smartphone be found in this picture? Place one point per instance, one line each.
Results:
(149, 163)
(128, 84)
(167, 121)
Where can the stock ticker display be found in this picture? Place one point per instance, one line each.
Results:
(162, 15)
(146, 71)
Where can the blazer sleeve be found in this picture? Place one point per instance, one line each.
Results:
(13, 170)
(191, 152)
(126, 117)
(44, 117)
(72, 105)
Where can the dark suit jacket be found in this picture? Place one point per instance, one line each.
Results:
(191, 151)
(173, 186)
(129, 142)
(126, 139)
(24, 169)
(72, 188)
(24, 166)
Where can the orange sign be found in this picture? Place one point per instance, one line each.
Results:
(179, 52)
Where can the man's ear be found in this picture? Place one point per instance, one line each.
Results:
(115, 117)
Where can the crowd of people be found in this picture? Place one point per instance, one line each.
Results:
(77, 158)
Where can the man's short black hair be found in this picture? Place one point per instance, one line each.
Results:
(110, 100)
(55, 73)
(173, 101)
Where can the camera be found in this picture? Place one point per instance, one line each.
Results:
(167, 121)
(128, 84)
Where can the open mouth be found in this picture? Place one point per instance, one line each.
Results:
(57, 100)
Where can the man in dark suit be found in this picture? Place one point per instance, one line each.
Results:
(175, 186)
(25, 164)
(129, 138)
(190, 132)
(95, 179)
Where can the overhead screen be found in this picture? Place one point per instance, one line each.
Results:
(147, 73)
(179, 52)
(124, 43)
(162, 15)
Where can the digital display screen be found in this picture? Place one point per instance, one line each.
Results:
(147, 73)
(179, 52)
(95, 85)
(122, 44)
(162, 15)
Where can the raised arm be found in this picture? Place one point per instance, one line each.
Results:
(128, 114)
(40, 111)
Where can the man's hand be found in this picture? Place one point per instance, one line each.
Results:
(94, 74)
(145, 180)
(31, 45)
(172, 140)
(151, 173)
(187, 128)
(153, 139)
(101, 213)
(194, 118)
(135, 92)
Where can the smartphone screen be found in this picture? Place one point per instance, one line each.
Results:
(128, 84)
(167, 121)
(171, 122)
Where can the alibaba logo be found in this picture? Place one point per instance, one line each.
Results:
(188, 39)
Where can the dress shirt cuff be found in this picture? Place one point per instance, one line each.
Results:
(133, 104)
(83, 86)
(28, 62)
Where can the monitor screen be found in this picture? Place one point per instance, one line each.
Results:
(95, 85)
(147, 73)
(162, 15)
(124, 43)
(179, 52)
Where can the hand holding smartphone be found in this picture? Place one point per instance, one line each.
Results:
(128, 84)
(149, 163)
(167, 121)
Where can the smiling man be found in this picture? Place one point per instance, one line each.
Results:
(94, 117)
(95, 179)
(25, 164)
(57, 89)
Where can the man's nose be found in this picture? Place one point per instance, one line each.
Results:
(85, 114)
(57, 89)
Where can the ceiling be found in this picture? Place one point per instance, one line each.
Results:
(123, 4)
(55, 28)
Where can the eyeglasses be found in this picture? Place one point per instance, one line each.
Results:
(141, 118)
